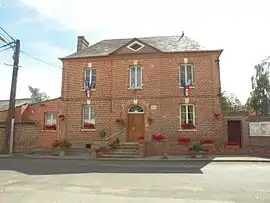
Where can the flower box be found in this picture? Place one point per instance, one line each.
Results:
(50, 127)
(159, 137)
(89, 126)
(207, 141)
(183, 140)
(187, 126)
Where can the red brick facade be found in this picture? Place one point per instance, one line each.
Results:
(112, 97)
(35, 114)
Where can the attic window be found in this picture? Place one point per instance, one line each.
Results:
(135, 46)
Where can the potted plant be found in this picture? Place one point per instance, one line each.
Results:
(62, 146)
(183, 140)
(197, 149)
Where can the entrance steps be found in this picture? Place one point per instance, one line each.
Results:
(123, 150)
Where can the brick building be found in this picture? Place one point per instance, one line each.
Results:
(36, 124)
(141, 81)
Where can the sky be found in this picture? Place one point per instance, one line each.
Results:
(48, 29)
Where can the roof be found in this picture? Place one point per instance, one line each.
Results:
(165, 44)
(4, 104)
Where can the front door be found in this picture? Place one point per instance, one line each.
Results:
(234, 131)
(135, 126)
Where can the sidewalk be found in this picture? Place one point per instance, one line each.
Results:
(210, 158)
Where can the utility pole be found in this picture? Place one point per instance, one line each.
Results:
(12, 98)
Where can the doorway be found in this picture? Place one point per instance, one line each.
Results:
(235, 131)
(135, 123)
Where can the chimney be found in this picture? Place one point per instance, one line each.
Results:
(82, 43)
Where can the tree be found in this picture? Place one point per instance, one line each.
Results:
(36, 95)
(260, 88)
(230, 103)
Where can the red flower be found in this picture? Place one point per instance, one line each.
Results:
(117, 120)
(187, 126)
(50, 127)
(159, 137)
(183, 139)
(61, 116)
(216, 115)
(207, 141)
(89, 125)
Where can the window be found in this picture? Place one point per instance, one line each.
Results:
(135, 46)
(50, 119)
(88, 116)
(186, 75)
(135, 77)
(90, 78)
(187, 114)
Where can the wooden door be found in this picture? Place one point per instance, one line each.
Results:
(234, 131)
(135, 126)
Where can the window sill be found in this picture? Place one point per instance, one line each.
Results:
(192, 87)
(87, 130)
(92, 90)
(185, 130)
(137, 88)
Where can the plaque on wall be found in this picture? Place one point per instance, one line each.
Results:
(265, 129)
(254, 129)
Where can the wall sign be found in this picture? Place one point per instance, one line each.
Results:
(153, 107)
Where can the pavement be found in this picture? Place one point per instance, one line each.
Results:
(48, 180)
(212, 158)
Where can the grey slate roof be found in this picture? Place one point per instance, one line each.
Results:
(4, 104)
(162, 43)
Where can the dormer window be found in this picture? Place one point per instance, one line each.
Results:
(135, 46)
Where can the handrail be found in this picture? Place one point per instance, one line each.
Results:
(115, 134)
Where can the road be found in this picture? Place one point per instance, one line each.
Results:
(69, 181)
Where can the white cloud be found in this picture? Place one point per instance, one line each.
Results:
(33, 72)
(238, 27)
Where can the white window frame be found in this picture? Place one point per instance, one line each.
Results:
(192, 74)
(50, 118)
(89, 120)
(90, 79)
(135, 42)
(136, 77)
(193, 113)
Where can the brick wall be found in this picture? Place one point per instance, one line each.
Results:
(36, 113)
(112, 97)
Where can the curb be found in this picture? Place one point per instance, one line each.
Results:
(135, 160)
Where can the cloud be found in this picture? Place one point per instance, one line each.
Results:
(238, 28)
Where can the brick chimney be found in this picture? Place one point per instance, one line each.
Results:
(82, 43)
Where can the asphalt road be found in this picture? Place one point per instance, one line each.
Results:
(69, 181)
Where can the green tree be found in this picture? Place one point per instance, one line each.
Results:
(230, 103)
(260, 88)
(36, 95)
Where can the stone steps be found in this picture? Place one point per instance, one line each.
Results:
(124, 150)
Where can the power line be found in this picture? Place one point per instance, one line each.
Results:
(40, 60)
(7, 33)
(8, 44)
(5, 49)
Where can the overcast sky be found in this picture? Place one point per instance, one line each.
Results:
(48, 30)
